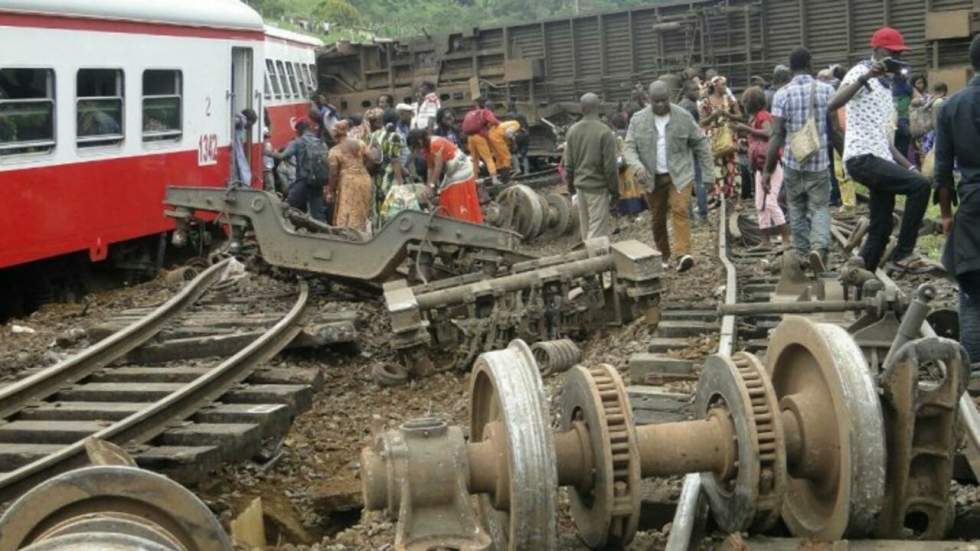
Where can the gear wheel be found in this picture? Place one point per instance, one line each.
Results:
(751, 498)
(769, 438)
(608, 515)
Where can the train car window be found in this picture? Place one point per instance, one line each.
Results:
(282, 79)
(270, 75)
(26, 111)
(162, 109)
(297, 91)
(268, 91)
(99, 107)
(304, 78)
(315, 78)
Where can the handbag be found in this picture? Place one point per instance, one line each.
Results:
(929, 164)
(805, 142)
(722, 142)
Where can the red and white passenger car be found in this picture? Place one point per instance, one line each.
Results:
(103, 104)
(290, 80)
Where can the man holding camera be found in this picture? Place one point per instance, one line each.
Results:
(871, 158)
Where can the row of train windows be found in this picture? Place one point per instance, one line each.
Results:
(27, 108)
(285, 79)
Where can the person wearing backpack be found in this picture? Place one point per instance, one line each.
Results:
(310, 155)
(799, 122)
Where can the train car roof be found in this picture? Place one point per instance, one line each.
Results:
(276, 32)
(219, 14)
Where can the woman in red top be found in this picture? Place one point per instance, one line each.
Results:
(759, 130)
(450, 175)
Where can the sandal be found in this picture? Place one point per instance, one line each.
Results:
(911, 264)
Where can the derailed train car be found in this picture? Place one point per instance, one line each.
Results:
(541, 68)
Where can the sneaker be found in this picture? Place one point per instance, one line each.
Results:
(686, 263)
(817, 263)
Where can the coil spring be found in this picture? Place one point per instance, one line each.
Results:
(556, 356)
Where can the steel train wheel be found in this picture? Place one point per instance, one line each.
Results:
(506, 392)
(822, 380)
(106, 507)
(522, 210)
(608, 515)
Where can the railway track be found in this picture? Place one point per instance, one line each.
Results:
(182, 420)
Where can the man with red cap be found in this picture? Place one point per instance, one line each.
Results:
(871, 158)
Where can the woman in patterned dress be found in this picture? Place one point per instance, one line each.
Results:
(717, 109)
(350, 181)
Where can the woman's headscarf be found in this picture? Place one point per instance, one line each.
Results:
(340, 130)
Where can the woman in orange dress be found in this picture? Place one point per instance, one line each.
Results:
(450, 175)
(350, 182)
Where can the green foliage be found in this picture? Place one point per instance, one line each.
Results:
(360, 19)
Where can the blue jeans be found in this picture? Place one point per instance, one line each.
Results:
(808, 195)
(307, 199)
(970, 314)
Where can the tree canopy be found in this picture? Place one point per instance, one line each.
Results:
(357, 19)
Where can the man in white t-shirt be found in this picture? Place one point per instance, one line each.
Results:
(871, 158)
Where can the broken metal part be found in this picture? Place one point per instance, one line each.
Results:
(556, 356)
(912, 321)
(418, 475)
(539, 300)
(110, 507)
(833, 427)
(337, 254)
(752, 496)
(921, 385)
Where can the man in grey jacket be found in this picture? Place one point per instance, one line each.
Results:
(590, 162)
(663, 144)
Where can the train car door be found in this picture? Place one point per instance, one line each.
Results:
(241, 99)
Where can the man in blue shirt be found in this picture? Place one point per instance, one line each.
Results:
(958, 141)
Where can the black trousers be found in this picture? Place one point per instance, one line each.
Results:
(884, 180)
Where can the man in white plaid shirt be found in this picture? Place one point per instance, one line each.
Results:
(807, 183)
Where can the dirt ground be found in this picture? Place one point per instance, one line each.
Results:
(308, 493)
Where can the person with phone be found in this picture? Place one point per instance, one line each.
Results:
(871, 158)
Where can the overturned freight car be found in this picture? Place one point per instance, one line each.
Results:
(541, 68)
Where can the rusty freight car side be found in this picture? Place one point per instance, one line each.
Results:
(542, 67)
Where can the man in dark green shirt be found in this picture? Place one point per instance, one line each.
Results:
(591, 166)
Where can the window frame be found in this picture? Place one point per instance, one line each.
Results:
(16, 148)
(281, 71)
(270, 74)
(314, 78)
(291, 72)
(305, 72)
(162, 136)
(102, 140)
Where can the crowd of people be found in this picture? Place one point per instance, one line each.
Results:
(797, 146)
(359, 170)
(794, 146)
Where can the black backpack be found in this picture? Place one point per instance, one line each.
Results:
(311, 162)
